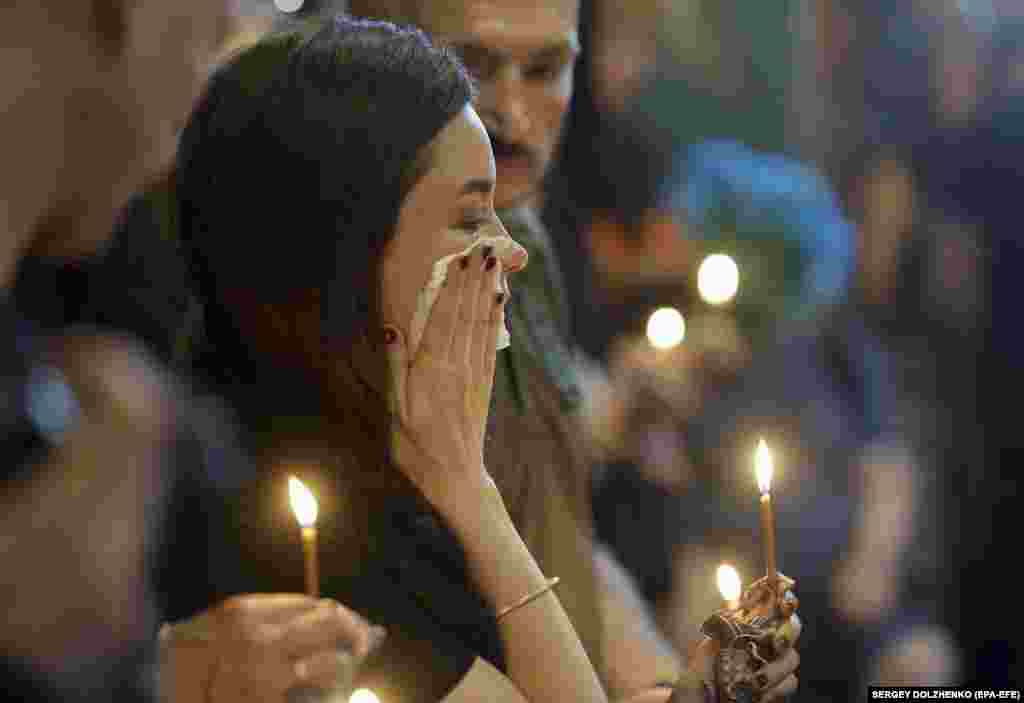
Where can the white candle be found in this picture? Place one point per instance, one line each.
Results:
(763, 468)
(305, 508)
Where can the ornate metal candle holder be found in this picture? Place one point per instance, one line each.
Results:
(759, 630)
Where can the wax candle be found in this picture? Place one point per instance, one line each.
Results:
(305, 508)
(763, 467)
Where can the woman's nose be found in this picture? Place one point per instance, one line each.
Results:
(514, 257)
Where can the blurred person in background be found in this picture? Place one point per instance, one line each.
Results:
(858, 402)
(849, 345)
(95, 94)
(981, 180)
(658, 199)
(919, 293)
(91, 101)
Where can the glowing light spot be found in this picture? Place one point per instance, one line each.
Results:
(763, 466)
(728, 583)
(666, 328)
(303, 503)
(718, 279)
(363, 695)
(288, 5)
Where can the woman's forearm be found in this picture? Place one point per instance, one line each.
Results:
(545, 658)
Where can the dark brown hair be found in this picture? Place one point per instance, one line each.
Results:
(291, 174)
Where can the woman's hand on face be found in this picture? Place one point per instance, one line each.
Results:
(256, 648)
(442, 391)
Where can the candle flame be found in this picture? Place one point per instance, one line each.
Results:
(718, 279)
(763, 467)
(666, 328)
(363, 695)
(729, 583)
(303, 502)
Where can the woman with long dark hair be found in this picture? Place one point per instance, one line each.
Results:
(320, 179)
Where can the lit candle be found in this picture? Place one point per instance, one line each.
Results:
(763, 468)
(666, 328)
(729, 586)
(718, 279)
(305, 509)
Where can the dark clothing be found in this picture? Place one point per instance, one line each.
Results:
(387, 556)
(984, 180)
(140, 283)
(408, 573)
(20, 683)
(197, 563)
(120, 680)
(228, 530)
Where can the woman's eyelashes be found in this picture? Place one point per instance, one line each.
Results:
(473, 225)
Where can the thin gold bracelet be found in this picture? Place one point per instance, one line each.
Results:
(552, 582)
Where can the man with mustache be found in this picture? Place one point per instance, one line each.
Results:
(522, 53)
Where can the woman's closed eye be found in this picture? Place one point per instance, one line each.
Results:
(547, 71)
(473, 225)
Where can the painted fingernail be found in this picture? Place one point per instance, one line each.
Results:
(491, 262)
(487, 251)
(390, 336)
(499, 298)
(464, 262)
(762, 681)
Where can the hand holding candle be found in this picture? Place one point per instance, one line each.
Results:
(305, 509)
(756, 632)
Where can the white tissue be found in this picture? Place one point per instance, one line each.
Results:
(427, 296)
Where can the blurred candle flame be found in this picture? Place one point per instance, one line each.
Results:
(303, 503)
(763, 467)
(289, 6)
(729, 583)
(666, 328)
(363, 695)
(718, 279)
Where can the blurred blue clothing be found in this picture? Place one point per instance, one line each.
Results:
(770, 199)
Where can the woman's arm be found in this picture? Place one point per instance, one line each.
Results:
(442, 395)
(545, 658)
(637, 656)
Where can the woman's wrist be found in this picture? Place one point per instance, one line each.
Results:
(499, 561)
(470, 499)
